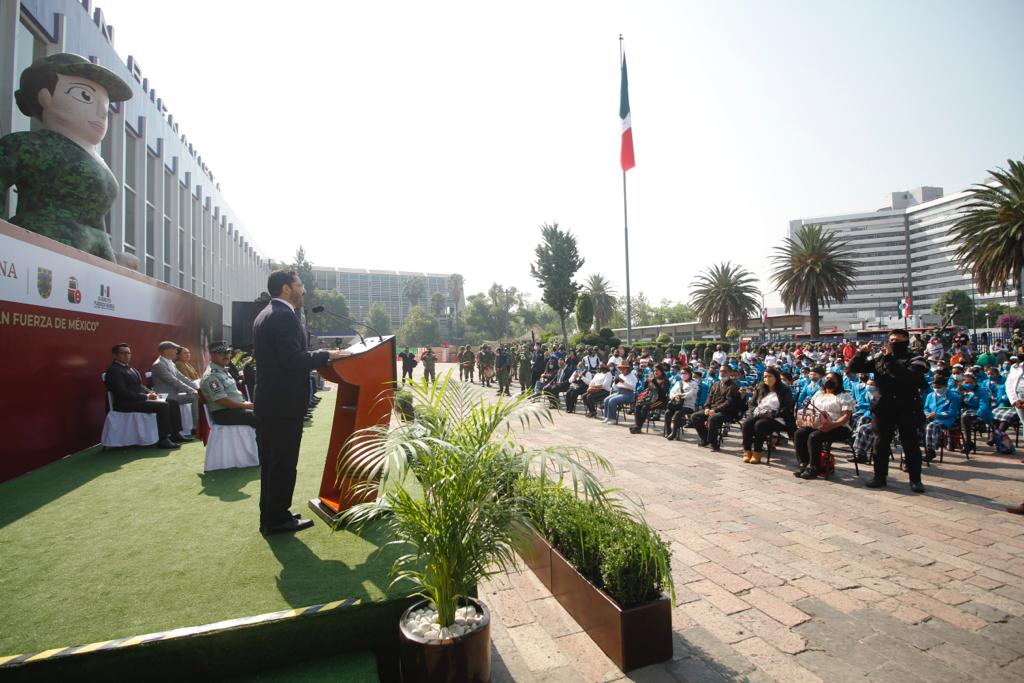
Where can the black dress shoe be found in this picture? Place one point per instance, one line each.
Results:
(184, 438)
(917, 487)
(809, 474)
(800, 472)
(290, 526)
(715, 447)
(875, 483)
(166, 443)
(703, 444)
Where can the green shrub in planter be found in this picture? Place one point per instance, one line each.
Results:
(614, 550)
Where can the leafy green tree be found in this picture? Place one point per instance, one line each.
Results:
(989, 312)
(672, 312)
(413, 289)
(304, 269)
(640, 309)
(419, 329)
(584, 311)
(438, 302)
(558, 260)
(725, 293)
(482, 321)
(732, 333)
(811, 269)
(336, 303)
(601, 292)
(990, 233)
(961, 300)
(377, 318)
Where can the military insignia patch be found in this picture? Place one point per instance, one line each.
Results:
(44, 282)
(215, 385)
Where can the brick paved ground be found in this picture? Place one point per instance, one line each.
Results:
(789, 580)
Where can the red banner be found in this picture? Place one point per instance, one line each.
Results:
(60, 312)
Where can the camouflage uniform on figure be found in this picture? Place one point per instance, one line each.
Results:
(525, 370)
(64, 190)
(468, 362)
(486, 365)
(503, 367)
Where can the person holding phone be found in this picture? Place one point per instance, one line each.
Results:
(898, 404)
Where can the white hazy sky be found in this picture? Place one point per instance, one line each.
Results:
(438, 136)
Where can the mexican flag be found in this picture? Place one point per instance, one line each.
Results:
(904, 307)
(626, 156)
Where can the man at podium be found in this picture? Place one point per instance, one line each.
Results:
(283, 362)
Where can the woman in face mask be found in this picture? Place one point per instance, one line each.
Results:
(825, 421)
(941, 407)
(769, 404)
(682, 400)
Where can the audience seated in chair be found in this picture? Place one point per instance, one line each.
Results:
(130, 396)
(723, 405)
(623, 390)
(769, 404)
(224, 400)
(168, 379)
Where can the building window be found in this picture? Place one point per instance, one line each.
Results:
(130, 143)
(30, 48)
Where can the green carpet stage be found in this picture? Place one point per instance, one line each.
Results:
(110, 545)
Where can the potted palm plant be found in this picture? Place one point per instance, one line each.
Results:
(445, 482)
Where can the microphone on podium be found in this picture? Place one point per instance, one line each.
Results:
(346, 319)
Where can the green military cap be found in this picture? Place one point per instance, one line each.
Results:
(76, 65)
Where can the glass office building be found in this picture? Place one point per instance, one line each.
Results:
(363, 287)
(170, 215)
(903, 249)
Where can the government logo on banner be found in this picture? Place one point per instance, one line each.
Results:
(74, 294)
(44, 282)
(103, 300)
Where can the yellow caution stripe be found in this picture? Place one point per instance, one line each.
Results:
(7, 661)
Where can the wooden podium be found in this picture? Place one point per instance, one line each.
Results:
(366, 390)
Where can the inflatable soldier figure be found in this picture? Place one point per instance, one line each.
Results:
(65, 189)
(898, 404)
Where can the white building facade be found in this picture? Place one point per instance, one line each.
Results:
(169, 213)
(902, 250)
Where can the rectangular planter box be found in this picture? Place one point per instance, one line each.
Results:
(631, 638)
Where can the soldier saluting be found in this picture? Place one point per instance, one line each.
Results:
(898, 404)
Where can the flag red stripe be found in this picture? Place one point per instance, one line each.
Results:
(626, 157)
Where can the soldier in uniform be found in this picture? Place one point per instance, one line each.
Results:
(64, 187)
(486, 365)
(503, 367)
(525, 370)
(429, 361)
(898, 404)
(224, 400)
(468, 362)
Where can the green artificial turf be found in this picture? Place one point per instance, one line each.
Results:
(103, 545)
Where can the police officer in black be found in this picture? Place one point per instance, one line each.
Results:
(899, 404)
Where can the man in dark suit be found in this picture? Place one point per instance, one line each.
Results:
(125, 385)
(283, 362)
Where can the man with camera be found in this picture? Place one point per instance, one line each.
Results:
(898, 404)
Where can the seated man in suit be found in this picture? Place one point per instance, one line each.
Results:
(224, 400)
(125, 385)
(168, 379)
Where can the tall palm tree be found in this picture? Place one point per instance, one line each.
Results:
(413, 290)
(604, 299)
(725, 293)
(438, 302)
(455, 290)
(990, 234)
(813, 268)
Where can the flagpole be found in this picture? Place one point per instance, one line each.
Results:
(625, 229)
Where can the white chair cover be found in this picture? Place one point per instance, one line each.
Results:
(230, 446)
(127, 429)
(186, 418)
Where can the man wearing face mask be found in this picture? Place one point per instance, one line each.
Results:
(898, 405)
